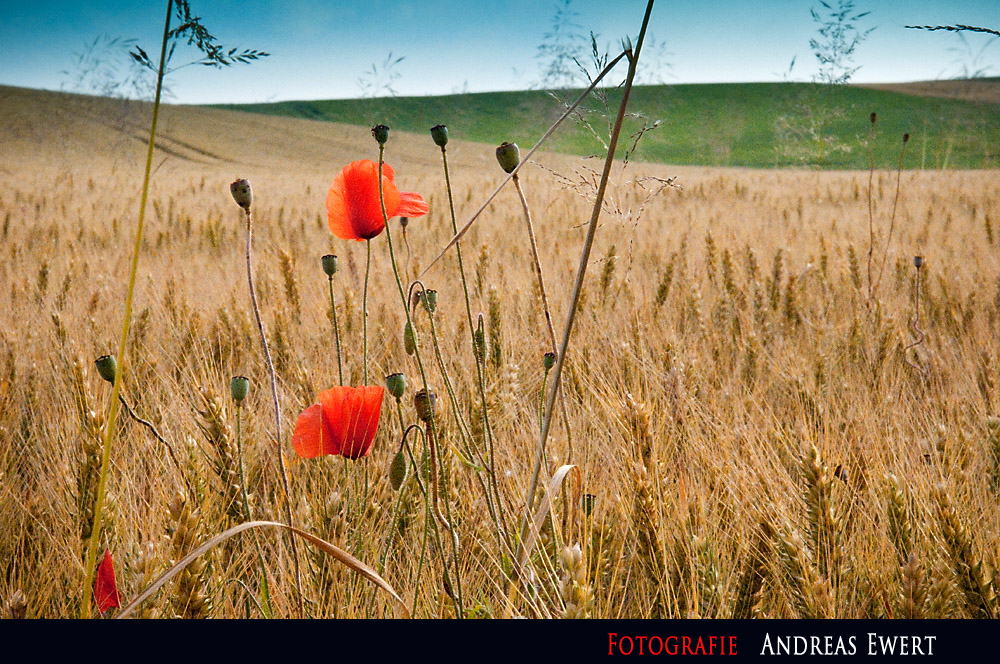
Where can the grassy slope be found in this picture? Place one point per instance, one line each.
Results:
(711, 124)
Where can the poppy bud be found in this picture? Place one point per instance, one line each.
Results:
(431, 300)
(906, 137)
(381, 133)
(918, 262)
(873, 117)
(440, 135)
(107, 367)
(398, 470)
(242, 193)
(588, 503)
(509, 156)
(238, 388)
(409, 339)
(329, 265)
(425, 404)
(396, 384)
(549, 360)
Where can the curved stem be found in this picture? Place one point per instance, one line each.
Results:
(277, 409)
(89, 564)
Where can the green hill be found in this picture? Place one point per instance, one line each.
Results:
(753, 125)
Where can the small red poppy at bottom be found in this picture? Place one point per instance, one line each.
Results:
(344, 421)
(105, 586)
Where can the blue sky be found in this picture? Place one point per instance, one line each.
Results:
(321, 49)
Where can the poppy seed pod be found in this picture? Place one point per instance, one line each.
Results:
(409, 339)
(403, 221)
(431, 300)
(549, 360)
(242, 193)
(906, 138)
(396, 384)
(440, 135)
(918, 262)
(588, 503)
(329, 265)
(425, 403)
(381, 133)
(874, 116)
(107, 367)
(398, 470)
(509, 156)
(238, 388)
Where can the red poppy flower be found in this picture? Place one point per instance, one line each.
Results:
(352, 205)
(344, 421)
(105, 587)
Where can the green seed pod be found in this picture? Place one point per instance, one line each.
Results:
(381, 133)
(431, 300)
(425, 404)
(396, 384)
(329, 265)
(588, 503)
(238, 388)
(242, 193)
(398, 470)
(410, 339)
(440, 135)
(509, 156)
(107, 367)
(549, 360)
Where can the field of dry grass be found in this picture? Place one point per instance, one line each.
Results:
(752, 437)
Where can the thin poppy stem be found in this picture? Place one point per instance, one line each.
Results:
(892, 218)
(277, 408)
(90, 560)
(336, 333)
(581, 273)
(480, 382)
(156, 434)
(409, 321)
(545, 303)
(265, 591)
(364, 305)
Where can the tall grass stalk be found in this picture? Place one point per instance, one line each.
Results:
(581, 273)
(92, 546)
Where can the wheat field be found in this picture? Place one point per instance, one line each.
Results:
(755, 434)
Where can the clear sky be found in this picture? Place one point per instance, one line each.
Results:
(320, 49)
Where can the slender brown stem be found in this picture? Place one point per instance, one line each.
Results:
(871, 213)
(92, 545)
(156, 434)
(581, 273)
(277, 409)
(892, 219)
(545, 302)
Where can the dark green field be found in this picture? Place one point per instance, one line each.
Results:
(754, 125)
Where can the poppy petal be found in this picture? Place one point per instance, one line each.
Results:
(105, 586)
(411, 204)
(365, 406)
(352, 204)
(313, 437)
